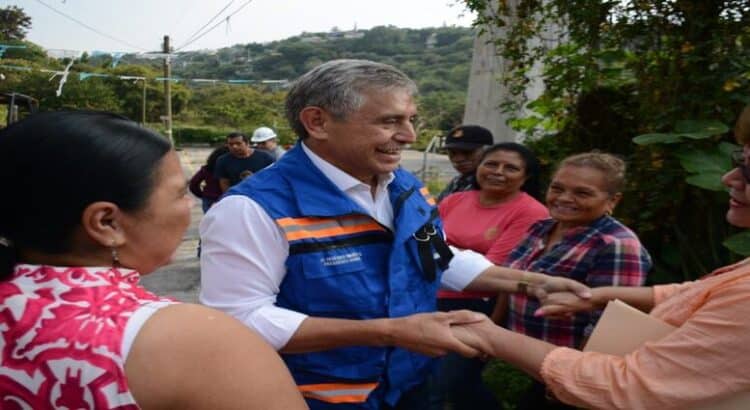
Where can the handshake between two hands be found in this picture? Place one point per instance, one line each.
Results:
(470, 333)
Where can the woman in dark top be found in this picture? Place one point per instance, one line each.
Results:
(204, 184)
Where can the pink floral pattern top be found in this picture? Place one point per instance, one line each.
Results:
(61, 336)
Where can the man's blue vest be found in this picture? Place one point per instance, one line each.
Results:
(343, 264)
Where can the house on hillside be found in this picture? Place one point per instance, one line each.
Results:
(312, 38)
(431, 41)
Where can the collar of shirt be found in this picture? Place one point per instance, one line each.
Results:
(378, 207)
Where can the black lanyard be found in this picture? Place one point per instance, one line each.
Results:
(428, 239)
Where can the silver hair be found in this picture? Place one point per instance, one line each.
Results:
(339, 87)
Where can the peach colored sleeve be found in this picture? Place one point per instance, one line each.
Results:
(707, 357)
(664, 292)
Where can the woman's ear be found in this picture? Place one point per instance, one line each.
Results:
(614, 200)
(101, 221)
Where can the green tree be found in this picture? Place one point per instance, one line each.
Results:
(675, 72)
(203, 110)
(238, 107)
(14, 23)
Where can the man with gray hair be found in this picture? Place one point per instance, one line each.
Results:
(334, 254)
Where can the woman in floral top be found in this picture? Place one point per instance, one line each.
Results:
(100, 201)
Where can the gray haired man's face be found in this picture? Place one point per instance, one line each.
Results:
(369, 141)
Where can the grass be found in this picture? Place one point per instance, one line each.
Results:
(507, 382)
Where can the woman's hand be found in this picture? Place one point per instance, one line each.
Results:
(564, 304)
(475, 335)
(542, 285)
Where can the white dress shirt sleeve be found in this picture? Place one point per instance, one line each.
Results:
(243, 254)
(465, 266)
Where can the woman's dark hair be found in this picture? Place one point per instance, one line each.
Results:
(531, 186)
(54, 164)
(213, 156)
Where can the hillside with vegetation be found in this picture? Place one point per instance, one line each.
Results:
(250, 78)
(436, 57)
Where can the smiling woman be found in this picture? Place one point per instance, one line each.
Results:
(702, 363)
(490, 219)
(581, 241)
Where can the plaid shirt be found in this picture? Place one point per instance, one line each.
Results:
(459, 183)
(604, 253)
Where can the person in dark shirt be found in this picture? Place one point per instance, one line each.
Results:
(204, 184)
(464, 145)
(240, 162)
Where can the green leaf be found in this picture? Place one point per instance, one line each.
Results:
(695, 135)
(670, 255)
(611, 56)
(611, 72)
(525, 123)
(648, 139)
(727, 148)
(700, 129)
(701, 161)
(707, 180)
(739, 243)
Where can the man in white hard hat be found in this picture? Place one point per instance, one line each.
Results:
(265, 139)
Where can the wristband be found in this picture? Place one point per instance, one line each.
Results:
(523, 284)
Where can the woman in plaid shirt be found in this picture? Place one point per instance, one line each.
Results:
(703, 363)
(581, 241)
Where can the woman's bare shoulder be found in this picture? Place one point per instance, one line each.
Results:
(193, 357)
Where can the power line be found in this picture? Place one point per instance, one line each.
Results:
(185, 10)
(89, 27)
(209, 22)
(215, 25)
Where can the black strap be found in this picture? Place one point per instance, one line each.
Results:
(428, 238)
(443, 250)
(428, 263)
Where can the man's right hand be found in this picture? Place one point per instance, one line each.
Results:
(430, 333)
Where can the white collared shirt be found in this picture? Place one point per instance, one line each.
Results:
(243, 255)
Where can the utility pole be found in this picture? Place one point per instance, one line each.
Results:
(168, 90)
(143, 104)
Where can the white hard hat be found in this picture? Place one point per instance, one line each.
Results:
(262, 134)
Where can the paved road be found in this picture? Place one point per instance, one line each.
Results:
(181, 278)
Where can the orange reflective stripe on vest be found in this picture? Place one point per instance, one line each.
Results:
(338, 392)
(427, 196)
(304, 228)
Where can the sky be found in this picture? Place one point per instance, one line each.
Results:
(140, 25)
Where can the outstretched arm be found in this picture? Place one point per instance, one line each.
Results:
(241, 279)
(664, 373)
(521, 351)
(501, 279)
(566, 303)
(426, 333)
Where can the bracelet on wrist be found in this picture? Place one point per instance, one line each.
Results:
(523, 284)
